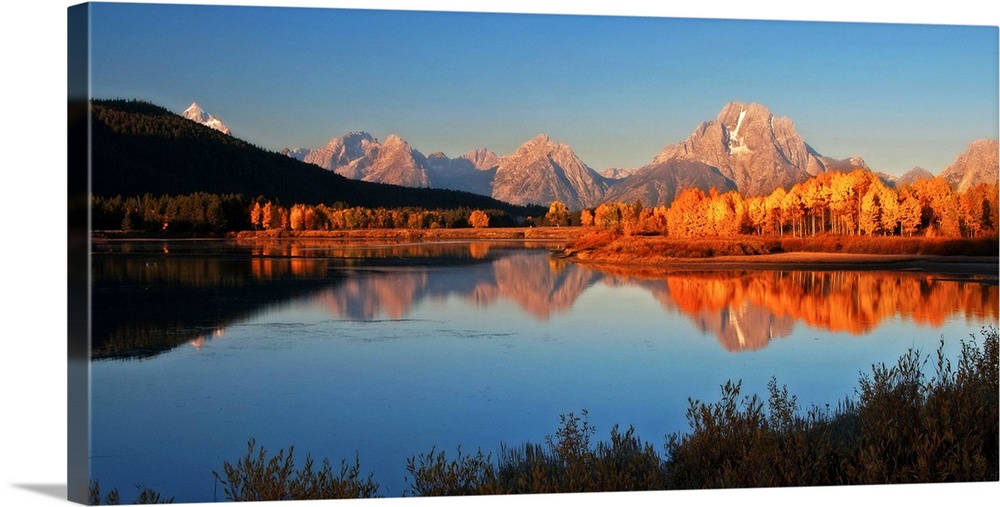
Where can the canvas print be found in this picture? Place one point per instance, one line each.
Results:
(329, 253)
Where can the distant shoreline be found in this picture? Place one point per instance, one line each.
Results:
(497, 233)
(818, 261)
(601, 252)
(928, 255)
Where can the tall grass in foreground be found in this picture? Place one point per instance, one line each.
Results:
(905, 425)
(113, 497)
(256, 477)
(566, 463)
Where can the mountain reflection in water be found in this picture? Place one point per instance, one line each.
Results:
(150, 299)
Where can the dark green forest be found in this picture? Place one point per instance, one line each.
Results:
(139, 148)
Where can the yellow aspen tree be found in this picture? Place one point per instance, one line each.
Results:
(255, 215)
(558, 214)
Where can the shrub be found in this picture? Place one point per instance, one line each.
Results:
(902, 429)
(256, 477)
(434, 475)
(566, 463)
(147, 496)
(938, 430)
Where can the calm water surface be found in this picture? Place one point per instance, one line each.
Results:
(389, 351)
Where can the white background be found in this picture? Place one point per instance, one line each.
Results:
(33, 241)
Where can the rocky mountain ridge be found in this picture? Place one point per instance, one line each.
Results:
(978, 164)
(541, 171)
(746, 148)
(754, 149)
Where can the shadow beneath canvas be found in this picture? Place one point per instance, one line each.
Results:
(53, 490)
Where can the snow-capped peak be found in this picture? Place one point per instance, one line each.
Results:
(195, 113)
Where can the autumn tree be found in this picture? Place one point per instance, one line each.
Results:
(558, 214)
(756, 213)
(909, 214)
(609, 216)
(772, 205)
(478, 219)
(939, 206)
(871, 214)
(255, 215)
(654, 219)
(978, 210)
(297, 217)
(313, 219)
(686, 216)
(267, 217)
(793, 211)
(725, 213)
(815, 198)
(283, 218)
(860, 181)
(879, 210)
(842, 203)
(631, 214)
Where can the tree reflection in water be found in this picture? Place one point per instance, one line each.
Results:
(149, 300)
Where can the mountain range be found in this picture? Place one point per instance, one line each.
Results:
(746, 148)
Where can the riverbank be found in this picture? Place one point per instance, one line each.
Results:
(798, 261)
(959, 256)
(497, 233)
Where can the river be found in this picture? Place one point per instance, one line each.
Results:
(386, 351)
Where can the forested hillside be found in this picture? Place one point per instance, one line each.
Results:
(140, 148)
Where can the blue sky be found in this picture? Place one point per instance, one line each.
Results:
(617, 89)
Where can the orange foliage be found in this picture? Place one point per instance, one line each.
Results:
(853, 302)
(852, 203)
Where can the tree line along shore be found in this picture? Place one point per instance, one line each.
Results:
(834, 213)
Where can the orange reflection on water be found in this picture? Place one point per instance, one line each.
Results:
(389, 295)
(539, 288)
(745, 310)
(479, 250)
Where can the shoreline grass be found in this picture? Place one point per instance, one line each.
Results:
(979, 255)
(625, 248)
(567, 233)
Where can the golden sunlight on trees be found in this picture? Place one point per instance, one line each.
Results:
(836, 203)
(479, 219)
(686, 217)
(307, 217)
(558, 214)
(256, 212)
(609, 216)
